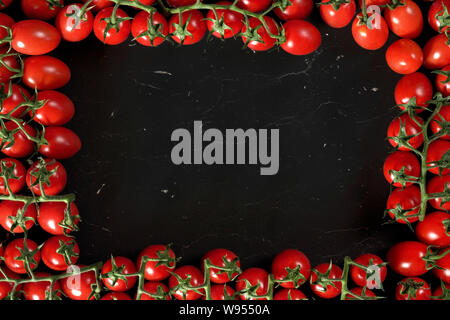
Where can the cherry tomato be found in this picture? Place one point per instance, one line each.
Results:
(289, 294)
(254, 277)
(359, 276)
(34, 37)
(410, 127)
(218, 292)
(302, 37)
(5, 3)
(436, 151)
(338, 18)
(9, 208)
(14, 98)
(370, 39)
(14, 255)
(406, 258)
(216, 257)
(405, 21)
(40, 9)
(407, 200)
(287, 261)
(397, 161)
(116, 296)
(230, 26)
(152, 271)
(436, 10)
(196, 27)
(414, 85)
(58, 251)
(7, 287)
(329, 291)
(266, 41)
(442, 269)
(441, 82)
(51, 217)
(15, 184)
(122, 283)
(19, 146)
(433, 231)
(156, 288)
(196, 280)
(57, 110)
(6, 21)
(45, 73)
(72, 28)
(10, 61)
(298, 9)
(57, 180)
(146, 2)
(63, 143)
(254, 5)
(379, 3)
(79, 286)
(140, 26)
(413, 289)
(180, 3)
(41, 290)
(100, 4)
(438, 119)
(439, 292)
(404, 56)
(360, 292)
(111, 36)
(437, 185)
(436, 52)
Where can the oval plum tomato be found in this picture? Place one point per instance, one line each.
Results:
(117, 279)
(9, 209)
(298, 9)
(436, 151)
(413, 289)
(51, 217)
(433, 230)
(116, 296)
(401, 168)
(289, 294)
(442, 83)
(221, 258)
(359, 293)
(437, 185)
(410, 128)
(264, 41)
(229, 27)
(196, 280)
(334, 272)
(438, 293)
(403, 203)
(14, 95)
(6, 21)
(253, 277)
(113, 36)
(7, 287)
(53, 171)
(41, 9)
(139, 28)
(404, 56)
(80, 285)
(56, 111)
(15, 255)
(71, 27)
(370, 39)
(34, 37)
(254, 5)
(180, 3)
(9, 65)
(436, 52)
(5, 3)
(41, 290)
(302, 37)
(359, 276)
(436, 10)
(196, 27)
(442, 268)
(337, 18)
(155, 288)
(100, 4)
(45, 73)
(292, 265)
(415, 85)
(17, 145)
(154, 272)
(17, 179)
(406, 258)
(438, 119)
(218, 292)
(59, 252)
(406, 20)
(63, 143)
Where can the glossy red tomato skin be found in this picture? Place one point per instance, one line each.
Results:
(19, 171)
(41, 289)
(116, 296)
(255, 276)
(441, 85)
(7, 287)
(379, 3)
(436, 8)
(432, 229)
(406, 258)
(444, 114)
(413, 85)
(9, 208)
(268, 41)
(22, 146)
(45, 73)
(180, 3)
(436, 150)
(152, 287)
(40, 9)
(216, 257)
(6, 21)
(153, 272)
(359, 276)
(408, 198)
(5, 4)
(12, 252)
(231, 18)
(411, 129)
(10, 61)
(423, 293)
(437, 185)
(120, 285)
(70, 29)
(63, 143)
(291, 259)
(438, 292)
(55, 260)
(51, 214)
(254, 5)
(196, 280)
(217, 292)
(16, 98)
(57, 111)
(295, 294)
(405, 21)
(436, 52)
(298, 9)
(79, 286)
(58, 179)
(100, 4)
(146, 2)
(404, 56)
(358, 291)
(442, 269)
(112, 37)
(302, 37)
(370, 39)
(338, 18)
(401, 160)
(34, 37)
(329, 292)
(196, 26)
(140, 25)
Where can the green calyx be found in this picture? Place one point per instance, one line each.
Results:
(336, 4)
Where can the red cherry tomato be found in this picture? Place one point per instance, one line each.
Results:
(45, 73)
(405, 21)
(111, 36)
(5, 3)
(338, 18)
(436, 151)
(436, 52)
(63, 143)
(298, 9)
(436, 10)
(329, 291)
(397, 161)
(302, 37)
(118, 283)
(406, 258)
(19, 146)
(359, 276)
(9, 60)
(154, 272)
(433, 231)
(413, 289)
(116, 296)
(404, 56)
(360, 292)
(439, 292)
(441, 82)
(15, 184)
(58, 251)
(254, 5)
(442, 269)
(216, 257)
(379, 3)
(289, 294)
(370, 39)
(41, 290)
(152, 288)
(51, 217)
(79, 286)
(414, 85)
(218, 292)
(34, 37)
(146, 2)
(6, 21)
(291, 259)
(71, 27)
(410, 127)
(57, 180)
(14, 255)
(40, 9)
(10, 209)
(196, 27)
(254, 277)
(232, 20)
(407, 200)
(437, 185)
(266, 41)
(139, 27)
(16, 95)
(196, 280)
(180, 3)
(7, 287)
(57, 110)
(438, 119)
(100, 4)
